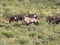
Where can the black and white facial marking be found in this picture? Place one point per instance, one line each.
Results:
(36, 22)
(15, 17)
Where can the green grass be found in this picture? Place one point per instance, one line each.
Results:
(43, 34)
(18, 34)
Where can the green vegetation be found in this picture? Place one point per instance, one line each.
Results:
(18, 34)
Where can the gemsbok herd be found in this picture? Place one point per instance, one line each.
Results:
(33, 18)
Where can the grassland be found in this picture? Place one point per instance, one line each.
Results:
(18, 34)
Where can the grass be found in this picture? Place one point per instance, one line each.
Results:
(43, 34)
(18, 34)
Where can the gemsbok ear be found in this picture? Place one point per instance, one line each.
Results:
(35, 16)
